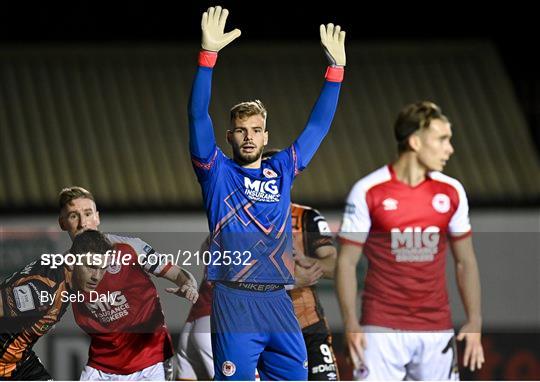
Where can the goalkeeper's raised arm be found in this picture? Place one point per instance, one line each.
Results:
(201, 132)
(333, 42)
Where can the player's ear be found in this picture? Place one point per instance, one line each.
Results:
(97, 219)
(415, 143)
(61, 223)
(228, 136)
(265, 137)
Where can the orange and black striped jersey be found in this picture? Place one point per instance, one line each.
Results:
(310, 231)
(32, 304)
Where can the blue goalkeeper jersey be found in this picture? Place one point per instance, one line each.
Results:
(248, 209)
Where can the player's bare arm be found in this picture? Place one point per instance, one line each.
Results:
(186, 283)
(326, 256)
(324, 263)
(468, 281)
(307, 270)
(346, 287)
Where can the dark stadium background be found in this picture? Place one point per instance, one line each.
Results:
(510, 27)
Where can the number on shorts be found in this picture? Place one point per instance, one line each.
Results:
(325, 350)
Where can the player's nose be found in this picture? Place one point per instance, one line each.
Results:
(83, 222)
(97, 275)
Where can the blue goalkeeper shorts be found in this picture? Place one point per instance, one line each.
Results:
(256, 330)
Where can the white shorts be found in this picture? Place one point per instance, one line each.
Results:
(194, 355)
(155, 372)
(405, 355)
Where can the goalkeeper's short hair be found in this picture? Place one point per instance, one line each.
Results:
(248, 109)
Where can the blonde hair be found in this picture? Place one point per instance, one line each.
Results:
(71, 193)
(248, 109)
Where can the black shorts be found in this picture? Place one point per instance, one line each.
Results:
(322, 365)
(30, 369)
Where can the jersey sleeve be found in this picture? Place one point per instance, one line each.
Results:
(317, 231)
(356, 221)
(206, 170)
(153, 262)
(201, 130)
(460, 225)
(286, 161)
(28, 298)
(318, 124)
(202, 142)
(147, 258)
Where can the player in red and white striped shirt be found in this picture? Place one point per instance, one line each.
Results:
(401, 217)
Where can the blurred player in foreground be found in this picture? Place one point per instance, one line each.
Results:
(401, 217)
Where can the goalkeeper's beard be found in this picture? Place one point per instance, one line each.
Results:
(245, 159)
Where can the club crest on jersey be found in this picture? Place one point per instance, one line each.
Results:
(441, 203)
(390, 204)
(269, 173)
(114, 268)
(262, 191)
(228, 368)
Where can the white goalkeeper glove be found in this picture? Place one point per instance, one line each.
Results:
(333, 42)
(212, 25)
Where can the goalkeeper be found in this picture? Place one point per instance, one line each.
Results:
(248, 208)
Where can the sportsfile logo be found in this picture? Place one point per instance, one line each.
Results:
(262, 191)
(415, 244)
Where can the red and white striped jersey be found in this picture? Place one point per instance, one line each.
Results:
(128, 331)
(403, 231)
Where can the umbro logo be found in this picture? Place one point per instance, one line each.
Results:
(390, 204)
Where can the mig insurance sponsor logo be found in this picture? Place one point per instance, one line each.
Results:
(262, 191)
(415, 244)
(112, 309)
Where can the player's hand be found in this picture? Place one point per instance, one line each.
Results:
(307, 276)
(213, 24)
(188, 291)
(355, 340)
(301, 259)
(333, 42)
(473, 357)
